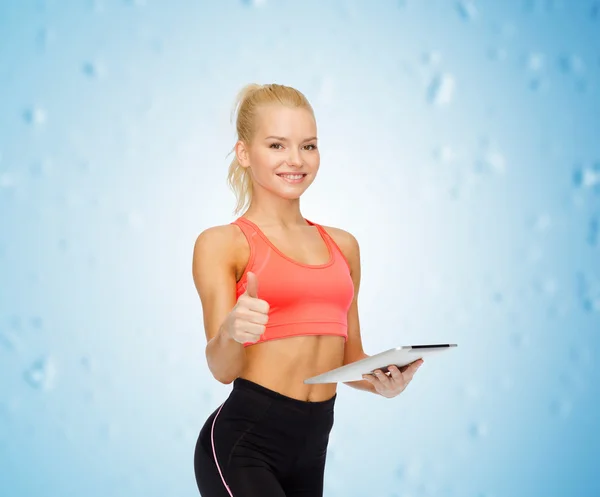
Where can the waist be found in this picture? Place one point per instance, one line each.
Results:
(283, 365)
(304, 406)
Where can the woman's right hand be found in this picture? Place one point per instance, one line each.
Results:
(246, 321)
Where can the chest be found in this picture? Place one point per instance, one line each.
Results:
(305, 247)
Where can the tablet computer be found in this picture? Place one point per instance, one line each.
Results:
(399, 356)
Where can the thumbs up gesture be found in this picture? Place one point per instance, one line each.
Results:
(246, 321)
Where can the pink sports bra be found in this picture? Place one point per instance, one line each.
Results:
(303, 299)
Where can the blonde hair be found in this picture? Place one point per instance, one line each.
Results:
(248, 100)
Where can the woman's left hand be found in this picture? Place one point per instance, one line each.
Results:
(396, 382)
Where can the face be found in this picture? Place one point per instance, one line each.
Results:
(285, 144)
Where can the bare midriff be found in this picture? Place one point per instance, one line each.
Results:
(282, 365)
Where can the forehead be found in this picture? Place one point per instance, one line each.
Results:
(285, 121)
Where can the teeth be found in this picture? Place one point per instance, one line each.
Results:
(292, 176)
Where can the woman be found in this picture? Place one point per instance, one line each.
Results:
(279, 299)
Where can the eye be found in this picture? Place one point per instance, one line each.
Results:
(314, 147)
(275, 145)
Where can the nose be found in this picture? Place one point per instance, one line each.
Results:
(293, 158)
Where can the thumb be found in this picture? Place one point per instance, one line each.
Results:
(252, 285)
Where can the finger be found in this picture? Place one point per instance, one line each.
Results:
(412, 366)
(411, 370)
(395, 373)
(254, 328)
(416, 365)
(382, 377)
(256, 305)
(248, 337)
(251, 285)
(255, 317)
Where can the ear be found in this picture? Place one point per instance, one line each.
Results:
(241, 152)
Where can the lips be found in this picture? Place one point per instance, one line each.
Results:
(292, 178)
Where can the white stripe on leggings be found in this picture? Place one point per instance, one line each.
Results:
(212, 441)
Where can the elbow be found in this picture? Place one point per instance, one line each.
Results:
(224, 376)
(225, 365)
(225, 380)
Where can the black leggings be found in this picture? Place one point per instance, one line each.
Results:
(262, 443)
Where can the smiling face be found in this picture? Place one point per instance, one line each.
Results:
(283, 155)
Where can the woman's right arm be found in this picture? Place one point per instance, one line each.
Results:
(213, 269)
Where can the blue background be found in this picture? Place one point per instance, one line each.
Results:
(460, 144)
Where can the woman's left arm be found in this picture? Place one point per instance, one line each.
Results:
(353, 350)
(380, 383)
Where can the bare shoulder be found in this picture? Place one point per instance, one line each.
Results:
(217, 236)
(217, 239)
(222, 244)
(346, 241)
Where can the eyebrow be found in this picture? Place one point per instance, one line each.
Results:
(283, 139)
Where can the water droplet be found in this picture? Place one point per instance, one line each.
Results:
(90, 397)
(97, 6)
(542, 223)
(587, 176)
(7, 180)
(441, 89)
(255, 3)
(135, 219)
(108, 431)
(581, 354)
(63, 244)
(35, 115)
(497, 297)
(466, 9)
(432, 58)
(529, 5)
(36, 322)
(593, 237)
(508, 29)
(471, 391)
(561, 407)
(588, 289)
(409, 470)
(537, 84)
(41, 374)
(9, 340)
(15, 323)
(497, 54)
(444, 154)
(546, 286)
(44, 37)
(86, 363)
(571, 64)
(41, 168)
(518, 339)
(491, 161)
(535, 61)
(478, 429)
(94, 69)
